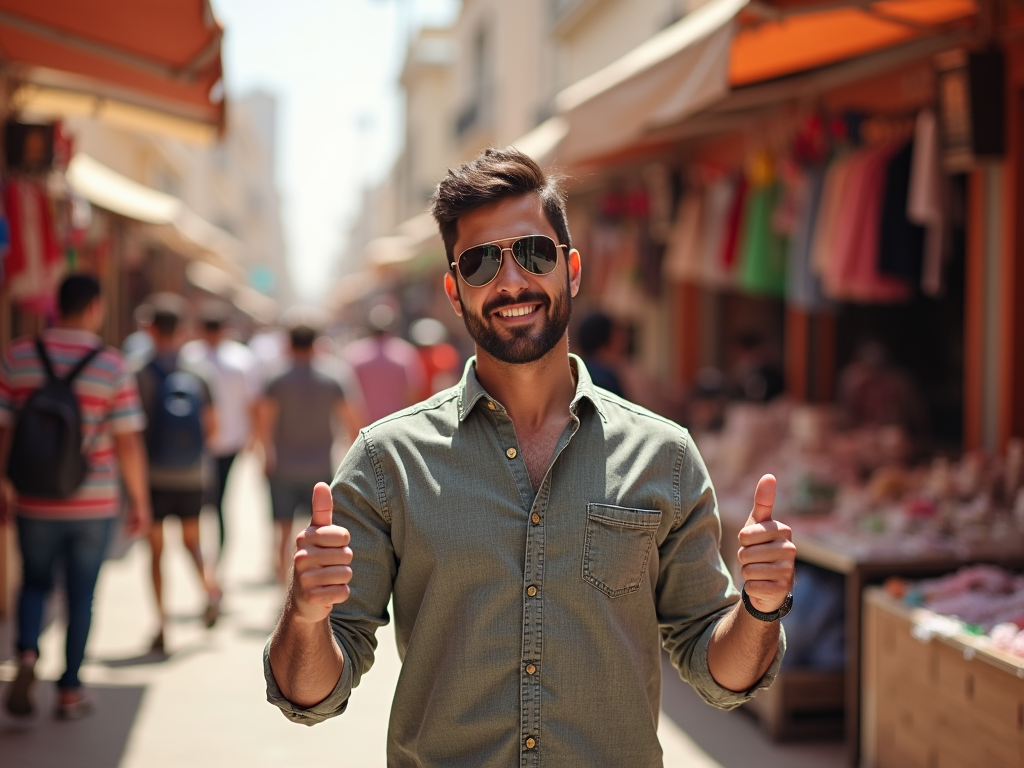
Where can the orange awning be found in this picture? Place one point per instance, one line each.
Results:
(784, 40)
(651, 88)
(161, 57)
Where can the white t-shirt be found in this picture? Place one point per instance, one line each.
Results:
(235, 384)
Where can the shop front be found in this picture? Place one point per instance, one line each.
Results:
(820, 267)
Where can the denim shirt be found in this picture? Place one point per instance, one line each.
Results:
(530, 625)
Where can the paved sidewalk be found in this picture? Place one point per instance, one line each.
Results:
(204, 706)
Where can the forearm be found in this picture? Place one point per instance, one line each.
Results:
(132, 458)
(742, 649)
(306, 660)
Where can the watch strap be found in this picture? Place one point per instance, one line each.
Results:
(775, 615)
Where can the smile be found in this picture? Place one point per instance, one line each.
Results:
(518, 311)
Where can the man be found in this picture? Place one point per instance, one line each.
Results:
(387, 368)
(74, 530)
(302, 410)
(180, 423)
(234, 378)
(534, 534)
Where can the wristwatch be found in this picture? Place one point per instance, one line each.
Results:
(785, 608)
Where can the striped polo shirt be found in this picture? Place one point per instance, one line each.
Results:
(109, 404)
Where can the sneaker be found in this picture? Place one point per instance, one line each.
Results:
(74, 707)
(19, 696)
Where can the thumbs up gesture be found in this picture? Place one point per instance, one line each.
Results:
(767, 553)
(322, 562)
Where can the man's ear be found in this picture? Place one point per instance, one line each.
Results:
(575, 271)
(452, 289)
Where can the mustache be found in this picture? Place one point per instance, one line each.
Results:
(526, 297)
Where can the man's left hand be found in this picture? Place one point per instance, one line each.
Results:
(767, 552)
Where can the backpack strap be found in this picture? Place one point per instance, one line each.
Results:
(80, 366)
(45, 358)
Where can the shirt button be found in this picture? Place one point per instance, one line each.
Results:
(531, 743)
(490, 405)
(535, 518)
(530, 669)
(511, 453)
(531, 591)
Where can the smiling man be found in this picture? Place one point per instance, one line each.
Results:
(541, 539)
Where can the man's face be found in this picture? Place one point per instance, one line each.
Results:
(518, 317)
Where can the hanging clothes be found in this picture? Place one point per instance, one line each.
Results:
(719, 200)
(683, 256)
(762, 252)
(730, 243)
(901, 241)
(926, 201)
(803, 286)
(830, 210)
(34, 263)
(853, 269)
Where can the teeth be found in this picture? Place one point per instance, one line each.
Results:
(518, 311)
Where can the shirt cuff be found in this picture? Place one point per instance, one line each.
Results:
(335, 703)
(714, 694)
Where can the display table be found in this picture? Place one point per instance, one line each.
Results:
(939, 701)
(863, 561)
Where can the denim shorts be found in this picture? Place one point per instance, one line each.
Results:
(287, 496)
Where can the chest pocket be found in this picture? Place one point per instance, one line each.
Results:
(618, 547)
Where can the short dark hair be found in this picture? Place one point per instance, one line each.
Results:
(168, 312)
(495, 175)
(594, 333)
(76, 293)
(302, 337)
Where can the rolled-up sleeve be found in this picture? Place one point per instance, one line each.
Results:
(360, 505)
(695, 590)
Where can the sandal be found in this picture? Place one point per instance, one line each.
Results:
(212, 612)
(19, 696)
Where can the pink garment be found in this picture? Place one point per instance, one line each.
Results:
(683, 258)
(829, 214)
(926, 200)
(853, 270)
(390, 373)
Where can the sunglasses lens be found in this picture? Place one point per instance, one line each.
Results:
(536, 254)
(480, 264)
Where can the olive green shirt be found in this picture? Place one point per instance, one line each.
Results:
(530, 625)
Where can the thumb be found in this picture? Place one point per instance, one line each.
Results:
(323, 506)
(764, 500)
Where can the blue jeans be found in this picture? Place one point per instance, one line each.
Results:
(80, 546)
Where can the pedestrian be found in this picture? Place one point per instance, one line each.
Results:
(601, 348)
(180, 423)
(387, 368)
(535, 535)
(235, 382)
(101, 425)
(302, 411)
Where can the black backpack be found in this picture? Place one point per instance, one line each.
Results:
(46, 459)
(174, 437)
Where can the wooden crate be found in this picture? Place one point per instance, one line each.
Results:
(949, 702)
(803, 704)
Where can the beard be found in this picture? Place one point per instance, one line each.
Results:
(519, 345)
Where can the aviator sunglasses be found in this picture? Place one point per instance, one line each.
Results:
(479, 265)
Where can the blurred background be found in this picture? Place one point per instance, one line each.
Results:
(802, 231)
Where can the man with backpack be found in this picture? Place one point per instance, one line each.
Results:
(180, 421)
(70, 434)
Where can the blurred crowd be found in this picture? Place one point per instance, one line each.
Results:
(162, 422)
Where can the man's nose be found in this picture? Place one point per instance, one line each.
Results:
(510, 277)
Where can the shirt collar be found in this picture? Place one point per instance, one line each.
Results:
(72, 335)
(472, 391)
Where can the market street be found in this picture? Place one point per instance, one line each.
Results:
(204, 706)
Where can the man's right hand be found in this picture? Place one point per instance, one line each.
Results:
(322, 562)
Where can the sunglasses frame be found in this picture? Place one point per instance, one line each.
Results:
(454, 266)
